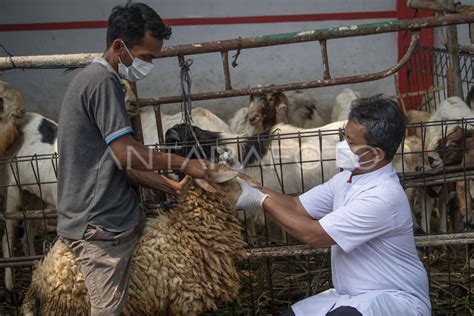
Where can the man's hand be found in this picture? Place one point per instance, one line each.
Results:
(196, 168)
(155, 181)
(250, 199)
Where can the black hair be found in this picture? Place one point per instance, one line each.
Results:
(131, 21)
(384, 121)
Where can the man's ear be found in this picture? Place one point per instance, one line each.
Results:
(379, 154)
(117, 46)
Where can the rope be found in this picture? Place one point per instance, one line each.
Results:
(234, 62)
(10, 55)
(187, 102)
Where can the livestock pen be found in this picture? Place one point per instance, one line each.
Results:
(277, 270)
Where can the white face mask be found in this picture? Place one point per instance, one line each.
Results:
(138, 70)
(346, 159)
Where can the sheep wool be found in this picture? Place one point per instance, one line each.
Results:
(183, 264)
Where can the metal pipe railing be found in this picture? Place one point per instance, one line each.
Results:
(438, 6)
(291, 86)
(82, 60)
(294, 250)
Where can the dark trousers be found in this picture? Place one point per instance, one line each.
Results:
(340, 311)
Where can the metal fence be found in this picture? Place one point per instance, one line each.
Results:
(427, 77)
(278, 270)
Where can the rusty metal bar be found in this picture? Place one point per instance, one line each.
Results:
(159, 124)
(324, 54)
(298, 250)
(284, 251)
(453, 50)
(49, 213)
(292, 86)
(438, 6)
(82, 60)
(225, 64)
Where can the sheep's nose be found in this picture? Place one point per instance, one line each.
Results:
(430, 160)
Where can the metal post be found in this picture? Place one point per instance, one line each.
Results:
(454, 71)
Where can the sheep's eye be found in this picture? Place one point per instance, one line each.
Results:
(1, 104)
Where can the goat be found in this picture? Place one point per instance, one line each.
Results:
(29, 172)
(456, 149)
(266, 110)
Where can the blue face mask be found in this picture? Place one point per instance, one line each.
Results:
(138, 70)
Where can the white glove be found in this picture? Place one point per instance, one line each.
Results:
(250, 199)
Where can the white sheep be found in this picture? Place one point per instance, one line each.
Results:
(342, 104)
(184, 263)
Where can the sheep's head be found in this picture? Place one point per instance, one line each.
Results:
(257, 108)
(449, 150)
(181, 141)
(223, 180)
(263, 108)
(12, 106)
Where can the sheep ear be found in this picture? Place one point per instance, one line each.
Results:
(206, 186)
(224, 176)
(249, 180)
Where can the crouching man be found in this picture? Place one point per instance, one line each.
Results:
(364, 215)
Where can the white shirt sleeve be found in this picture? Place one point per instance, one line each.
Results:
(361, 220)
(319, 200)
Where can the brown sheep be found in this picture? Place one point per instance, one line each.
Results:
(184, 263)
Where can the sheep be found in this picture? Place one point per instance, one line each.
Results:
(38, 136)
(266, 110)
(342, 104)
(184, 263)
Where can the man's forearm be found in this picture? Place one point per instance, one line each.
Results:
(301, 227)
(289, 202)
(152, 180)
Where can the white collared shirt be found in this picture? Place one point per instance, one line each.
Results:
(370, 220)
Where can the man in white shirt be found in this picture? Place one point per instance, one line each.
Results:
(364, 215)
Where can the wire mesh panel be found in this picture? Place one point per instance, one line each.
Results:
(427, 77)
